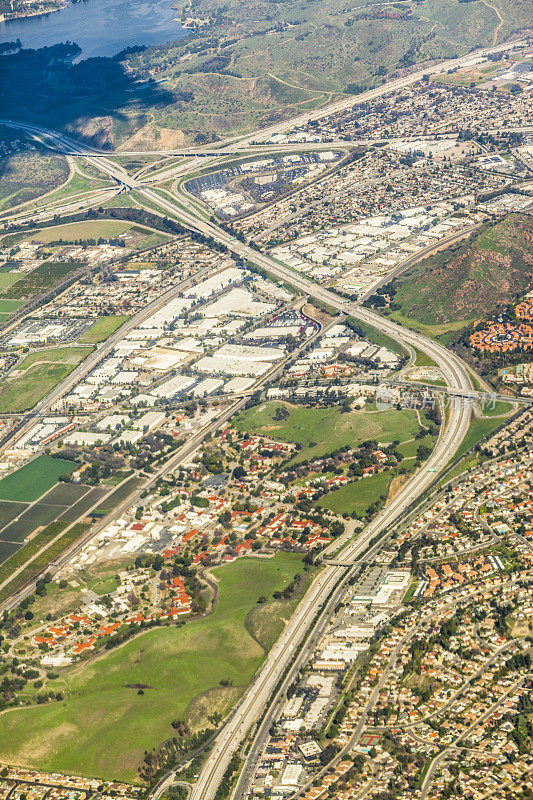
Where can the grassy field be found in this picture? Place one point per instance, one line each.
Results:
(78, 184)
(28, 174)
(31, 481)
(357, 497)
(381, 339)
(266, 621)
(500, 408)
(10, 306)
(136, 236)
(422, 359)
(38, 374)
(81, 230)
(435, 331)
(408, 449)
(102, 329)
(85, 733)
(103, 585)
(7, 279)
(478, 428)
(321, 430)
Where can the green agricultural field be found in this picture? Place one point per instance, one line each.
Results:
(62, 502)
(7, 279)
(103, 328)
(9, 510)
(357, 497)
(31, 481)
(40, 560)
(10, 306)
(38, 374)
(7, 549)
(24, 554)
(117, 497)
(64, 494)
(37, 516)
(42, 278)
(78, 509)
(321, 430)
(85, 733)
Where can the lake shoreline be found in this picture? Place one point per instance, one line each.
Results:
(102, 28)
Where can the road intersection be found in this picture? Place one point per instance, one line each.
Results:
(455, 373)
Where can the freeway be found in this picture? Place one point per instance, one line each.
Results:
(456, 376)
(455, 373)
(182, 455)
(100, 352)
(235, 143)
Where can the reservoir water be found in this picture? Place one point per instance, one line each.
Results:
(99, 27)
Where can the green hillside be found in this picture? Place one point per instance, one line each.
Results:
(469, 280)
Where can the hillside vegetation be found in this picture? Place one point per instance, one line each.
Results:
(252, 64)
(469, 280)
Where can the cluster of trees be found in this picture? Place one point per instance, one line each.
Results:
(91, 242)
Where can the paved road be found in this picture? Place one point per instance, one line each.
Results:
(426, 784)
(457, 377)
(100, 352)
(232, 144)
(455, 373)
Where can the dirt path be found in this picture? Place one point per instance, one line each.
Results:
(497, 28)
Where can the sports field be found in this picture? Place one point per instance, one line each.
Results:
(322, 430)
(86, 733)
(38, 374)
(31, 481)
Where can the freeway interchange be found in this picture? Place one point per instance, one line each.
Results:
(312, 610)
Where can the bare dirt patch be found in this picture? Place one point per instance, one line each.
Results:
(396, 485)
(213, 703)
(150, 137)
